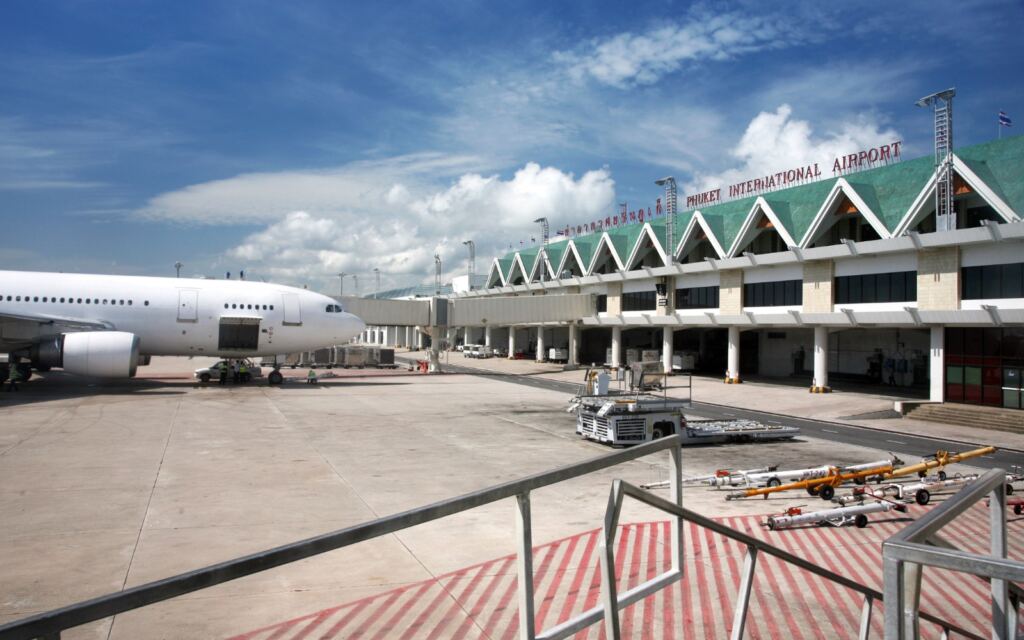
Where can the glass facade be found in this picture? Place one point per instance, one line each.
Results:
(992, 281)
(877, 287)
(985, 366)
(697, 298)
(783, 293)
(639, 301)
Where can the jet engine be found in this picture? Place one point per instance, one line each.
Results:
(103, 354)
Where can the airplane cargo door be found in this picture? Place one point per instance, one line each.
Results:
(188, 305)
(292, 314)
(241, 334)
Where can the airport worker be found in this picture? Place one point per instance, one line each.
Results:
(311, 378)
(223, 366)
(243, 372)
(234, 371)
(13, 377)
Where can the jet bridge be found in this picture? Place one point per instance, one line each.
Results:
(498, 311)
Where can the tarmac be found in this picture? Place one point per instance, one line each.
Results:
(108, 485)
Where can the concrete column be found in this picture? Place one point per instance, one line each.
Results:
(541, 355)
(937, 365)
(666, 349)
(511, 343)
(419, 339)
(573, 347)
(487, 335)
(616, 346)
(408, 337)
(732, 374)
(820, 382)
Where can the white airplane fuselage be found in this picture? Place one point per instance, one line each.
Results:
(171, 316)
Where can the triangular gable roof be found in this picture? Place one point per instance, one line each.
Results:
(699, 222)
(529, 259)
(505, 266)
(725, 220)
(800, 207)
(554, 252)
(571, 253)
(998, 164)
(606, 244)
(646, 232)
(659, 226)
(625, 240)
(748, 230)
(584, 248)
(840, 188)
(494, 275)
(517, 265)
(889, 191)
(926, 197)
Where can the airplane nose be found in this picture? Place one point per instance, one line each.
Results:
(358, 326)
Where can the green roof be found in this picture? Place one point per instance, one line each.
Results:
(1000, 165)
(796, 211)
(505, 264)
(585, 247)
(725, 220)
(555, 252)
(658, 226)
(624, 239)
(529, 258)
(889, 191)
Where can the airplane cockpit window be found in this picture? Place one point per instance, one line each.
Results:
(334, 308)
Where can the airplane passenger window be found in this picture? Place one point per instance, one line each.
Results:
(36, 299)
(129, 303)
(87, 301)
(271, 307)
(18, 299)
(250, 306)
(44, 298)
(146, 303)
(225, 305)
(233, 306)
(79, 301)
(104, 301)
(62, 299)
(264, 307)
(122, 303)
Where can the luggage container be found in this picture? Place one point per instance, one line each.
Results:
(386, 359)
(355, 357)
(322, 358)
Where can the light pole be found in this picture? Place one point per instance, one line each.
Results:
(542, 254)
(472, 261)
(177, 269)
(355, 283)
(341, 284)
(376, 273)
(670, 212)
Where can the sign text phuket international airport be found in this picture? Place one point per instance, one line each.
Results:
(841, 165)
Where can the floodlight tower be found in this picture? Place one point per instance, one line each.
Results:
(542, 255)
(341, 284)
(355, 283)
(376, 273)
(177, 269)
(472, 261)
(437, 274)
(670, 215)
(942, 104)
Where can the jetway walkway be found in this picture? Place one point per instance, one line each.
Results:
(531, 565)
(498, 311)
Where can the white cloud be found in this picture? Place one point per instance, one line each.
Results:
(629, 59)
(313, 231)
(775, 141)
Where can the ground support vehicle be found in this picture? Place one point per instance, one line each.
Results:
(206, 374)
(856, 515)
(775, 477)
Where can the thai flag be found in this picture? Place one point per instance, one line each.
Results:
(1004, 120)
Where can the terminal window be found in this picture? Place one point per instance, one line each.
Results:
(697, 298)
(782, 293)
(639, 301)
(992, 281)
(900, 286)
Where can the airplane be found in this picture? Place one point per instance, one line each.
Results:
(106, 325)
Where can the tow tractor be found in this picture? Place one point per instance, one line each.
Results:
(634, 413)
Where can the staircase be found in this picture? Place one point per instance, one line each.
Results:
(969, 415)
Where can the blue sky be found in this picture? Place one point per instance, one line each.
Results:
(296, 140)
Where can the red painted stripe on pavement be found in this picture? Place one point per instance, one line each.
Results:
(754, 622)
(698, 555)
(654, 543)
(392, 623)
(631, 579)
(770, 566)
(725, 596)
(421, 619)
(502, 608)
(538, 577)
(467, 589)
(577, 581)
(552, 590)
(668, 603)
(377, 613)
(456, 605)
(626, 534)
(483, 598)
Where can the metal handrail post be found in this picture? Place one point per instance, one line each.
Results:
(865, 618)
(739, 619)
(606, 551)
(676, 494)
(1002, 616)
(524, 565)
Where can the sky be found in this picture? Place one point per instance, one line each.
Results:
(297, 140)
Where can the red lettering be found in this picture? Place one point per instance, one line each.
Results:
(817, 170)
(873, 156)
(790, 175)
(800, 173)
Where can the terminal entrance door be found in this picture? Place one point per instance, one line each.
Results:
(1012, 390)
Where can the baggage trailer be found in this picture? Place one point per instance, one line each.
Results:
(322, 358)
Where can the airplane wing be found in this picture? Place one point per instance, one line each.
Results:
(47, 318)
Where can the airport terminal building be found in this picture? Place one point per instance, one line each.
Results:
(849, 277)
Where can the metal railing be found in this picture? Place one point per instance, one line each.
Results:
(50, 624)
(905, 555)
(754, 546)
